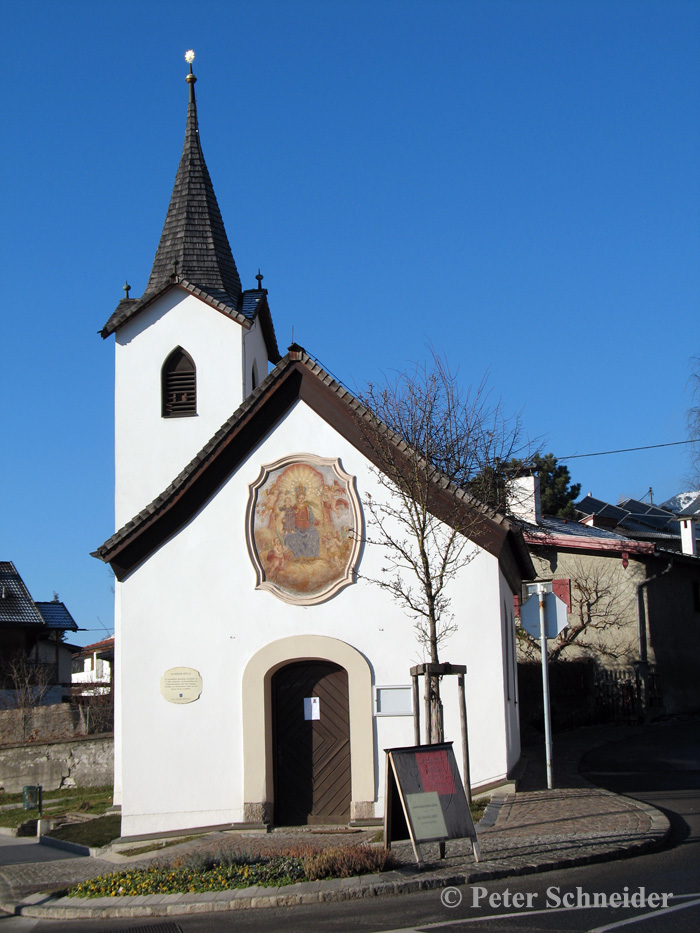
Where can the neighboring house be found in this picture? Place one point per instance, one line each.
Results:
(35, 662)
(259, 673)
(633, 605)
(664, 525)
(92, 669)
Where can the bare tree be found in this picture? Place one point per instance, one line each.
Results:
(436, 448)
(26, 680)
(599, 620)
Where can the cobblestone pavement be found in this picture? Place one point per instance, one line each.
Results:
(533, 830)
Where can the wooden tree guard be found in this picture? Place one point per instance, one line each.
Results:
(428, 670)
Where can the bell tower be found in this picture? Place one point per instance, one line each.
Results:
(192, 348)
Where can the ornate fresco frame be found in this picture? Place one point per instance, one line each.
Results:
(355, 531)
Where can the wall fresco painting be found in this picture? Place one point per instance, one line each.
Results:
(303, 514)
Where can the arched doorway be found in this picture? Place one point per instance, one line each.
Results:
(311, 743)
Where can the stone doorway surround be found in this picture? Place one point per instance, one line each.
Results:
(258, 771)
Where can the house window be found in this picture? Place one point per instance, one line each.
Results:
(179, 385)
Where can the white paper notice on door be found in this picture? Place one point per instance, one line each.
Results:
(312, 708)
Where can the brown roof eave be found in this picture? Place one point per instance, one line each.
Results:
(115, 322)
(171, 511)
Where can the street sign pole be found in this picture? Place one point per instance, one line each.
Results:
(543, 615)
(541, 592)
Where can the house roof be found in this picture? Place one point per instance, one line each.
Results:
(17, 608)
(557, 532)
(194, 252)
(296, 377)
(635, 519)
(102, 648)
(56, 616)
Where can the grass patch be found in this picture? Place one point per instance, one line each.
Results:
(10, 798)
(478, 807)
(15, 818)
(199, 873)
(81, 799)
(95, 833)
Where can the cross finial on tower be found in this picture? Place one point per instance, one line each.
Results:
(191, 80)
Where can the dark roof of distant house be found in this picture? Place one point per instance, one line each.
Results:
(17, 607)
(638, 520)
(56, 616)
(589, 505)
(297, 376)
(573, 535)
(560, 526)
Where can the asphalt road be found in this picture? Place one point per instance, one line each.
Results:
(661, 767)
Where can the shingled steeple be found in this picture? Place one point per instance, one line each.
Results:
(193, 243)
(194, 253)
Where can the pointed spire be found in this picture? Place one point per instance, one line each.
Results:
(194, 240)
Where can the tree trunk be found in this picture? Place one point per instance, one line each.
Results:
(437, 728)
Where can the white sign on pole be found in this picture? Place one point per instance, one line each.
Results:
(543, 615)
(556, 615)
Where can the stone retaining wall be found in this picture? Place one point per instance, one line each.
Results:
(41, 723)
(86, 762)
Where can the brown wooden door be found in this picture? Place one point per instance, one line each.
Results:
(312, 756)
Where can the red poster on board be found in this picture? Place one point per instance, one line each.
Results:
(435, 772)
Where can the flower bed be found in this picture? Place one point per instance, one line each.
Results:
(204, 874)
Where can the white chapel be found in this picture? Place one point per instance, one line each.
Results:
(259, 674)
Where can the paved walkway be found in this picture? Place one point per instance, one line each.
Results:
(530, 831)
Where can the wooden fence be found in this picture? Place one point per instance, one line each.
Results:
(582, 693)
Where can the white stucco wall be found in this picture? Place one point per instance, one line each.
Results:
(151, 450)
(193, 603)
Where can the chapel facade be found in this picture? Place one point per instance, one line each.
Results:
(259, 673)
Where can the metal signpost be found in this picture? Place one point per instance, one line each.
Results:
(543, 615)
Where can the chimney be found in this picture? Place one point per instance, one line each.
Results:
(688, 545)
(524, 499)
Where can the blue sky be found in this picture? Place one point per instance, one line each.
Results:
(515, 183)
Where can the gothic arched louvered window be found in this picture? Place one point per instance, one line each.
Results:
(179, 385)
